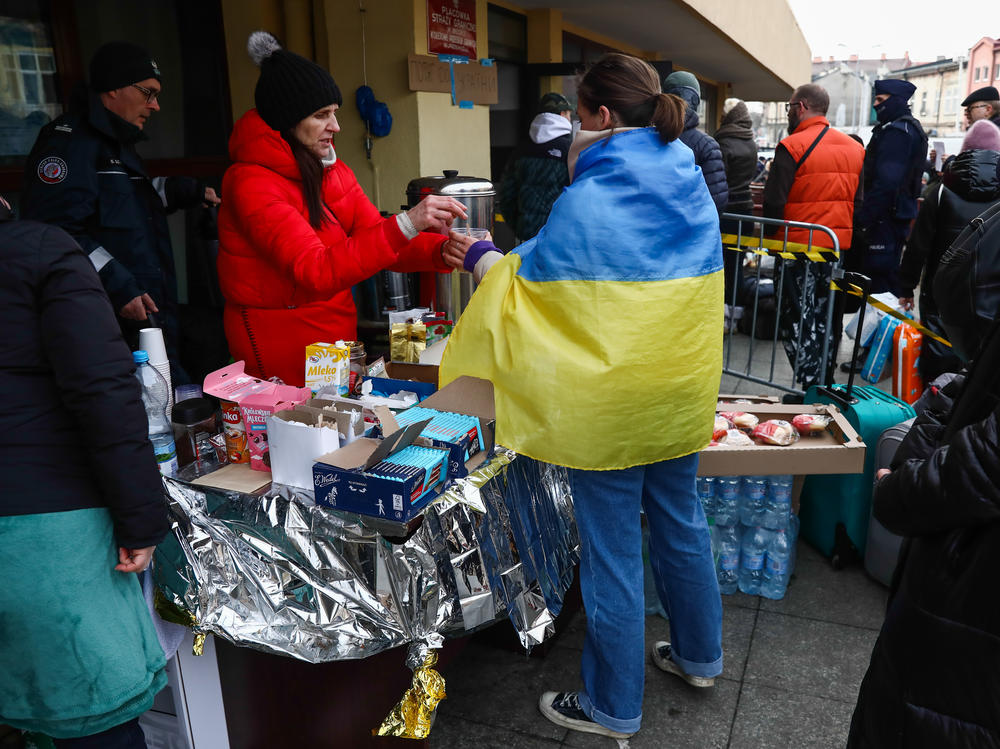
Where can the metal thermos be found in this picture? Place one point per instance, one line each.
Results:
(477, 195)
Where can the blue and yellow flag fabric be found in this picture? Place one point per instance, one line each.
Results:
(602, 335)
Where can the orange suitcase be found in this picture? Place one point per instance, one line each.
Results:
(906, 382)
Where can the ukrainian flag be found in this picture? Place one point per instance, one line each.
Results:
(603, 335)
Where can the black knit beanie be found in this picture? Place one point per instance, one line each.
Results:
(119, 64)
(290, 87)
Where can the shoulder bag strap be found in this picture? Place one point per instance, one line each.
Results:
(810, 149)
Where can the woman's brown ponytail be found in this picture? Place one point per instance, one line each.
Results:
(630, 88)
(668, 117)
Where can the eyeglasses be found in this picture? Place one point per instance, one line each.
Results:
(790, 104)
(151, 95)
(976, 106)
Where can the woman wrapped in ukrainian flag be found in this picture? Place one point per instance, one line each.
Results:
(602, 336)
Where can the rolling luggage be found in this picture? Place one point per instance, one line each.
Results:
(882, 546)
(834, 509)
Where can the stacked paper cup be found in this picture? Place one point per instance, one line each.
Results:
(151, 341)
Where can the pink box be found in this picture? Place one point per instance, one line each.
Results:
(256, 408)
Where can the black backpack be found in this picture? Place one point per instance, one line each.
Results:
(967, 283)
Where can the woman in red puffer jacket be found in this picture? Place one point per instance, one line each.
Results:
(295, 229)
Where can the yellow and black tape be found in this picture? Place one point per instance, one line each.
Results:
(855, 290)
(779, 248)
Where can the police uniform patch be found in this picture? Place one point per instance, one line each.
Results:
(52, 170)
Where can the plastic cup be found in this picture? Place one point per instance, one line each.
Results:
(151, 341)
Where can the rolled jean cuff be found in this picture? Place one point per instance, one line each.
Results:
(476, 252)
(693, 668)
(615, 724)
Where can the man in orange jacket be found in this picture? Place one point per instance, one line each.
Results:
(814, 179)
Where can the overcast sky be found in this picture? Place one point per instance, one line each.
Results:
(926, 29)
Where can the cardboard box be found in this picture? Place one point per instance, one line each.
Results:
(473, 397)
(729, 402)
(837, 450)
(257, 408)
(407, 371)
(341, 481)
(341, 412)
(296, 440)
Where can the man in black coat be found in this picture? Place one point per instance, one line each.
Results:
(84, 175)
(892, 176)
(983, 104)
(707, 153)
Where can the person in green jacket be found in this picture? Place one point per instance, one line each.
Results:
(536, 173)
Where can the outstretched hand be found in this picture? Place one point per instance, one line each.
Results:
(435, 213)
(134, 560)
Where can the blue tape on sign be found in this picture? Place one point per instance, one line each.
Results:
(465, 104)
(487, 61)
(451, 70)
(456, 59)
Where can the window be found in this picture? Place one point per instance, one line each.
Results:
(28, 93)
(949, 103)
(975, 74)
(996, 73)
(923, 103)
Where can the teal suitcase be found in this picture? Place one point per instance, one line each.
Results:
(834, 509)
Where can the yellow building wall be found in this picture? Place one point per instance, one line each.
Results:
(239, 20)
(428, 134)
(381, 51)
(450, 137)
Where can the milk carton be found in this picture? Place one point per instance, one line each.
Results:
(328, 364)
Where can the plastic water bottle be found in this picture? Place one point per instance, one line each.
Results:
(706, 493)
(752, 500)
(777, 567)
(727, 563)
(727, 500)
(155, 396)
(778, 505)
(753, 551)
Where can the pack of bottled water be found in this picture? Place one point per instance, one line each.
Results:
(753, 532)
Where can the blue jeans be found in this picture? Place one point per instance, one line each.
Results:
(611, 573)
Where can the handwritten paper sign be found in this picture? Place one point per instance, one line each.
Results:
(451, 27)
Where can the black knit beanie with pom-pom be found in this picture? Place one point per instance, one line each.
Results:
(290, 87)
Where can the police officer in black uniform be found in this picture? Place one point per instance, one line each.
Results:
(84, 175)
(893, 169)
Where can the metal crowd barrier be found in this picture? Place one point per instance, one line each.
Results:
(808, 268)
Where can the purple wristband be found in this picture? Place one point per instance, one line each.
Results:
(476, 252)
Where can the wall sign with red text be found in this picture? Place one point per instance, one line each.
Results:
(451, 27)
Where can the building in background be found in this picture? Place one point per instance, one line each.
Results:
(984, 65)
(936, 101)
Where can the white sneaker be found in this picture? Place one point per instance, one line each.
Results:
(663, 658)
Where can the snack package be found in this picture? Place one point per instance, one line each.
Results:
(722, 426)
(406, 341)
(775, 432)
(811, 425)
(741, 419)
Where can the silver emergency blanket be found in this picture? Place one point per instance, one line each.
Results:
(276, 572)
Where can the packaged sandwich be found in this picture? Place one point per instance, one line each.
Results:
(740, 419)
(811, 425)
(775, 432)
